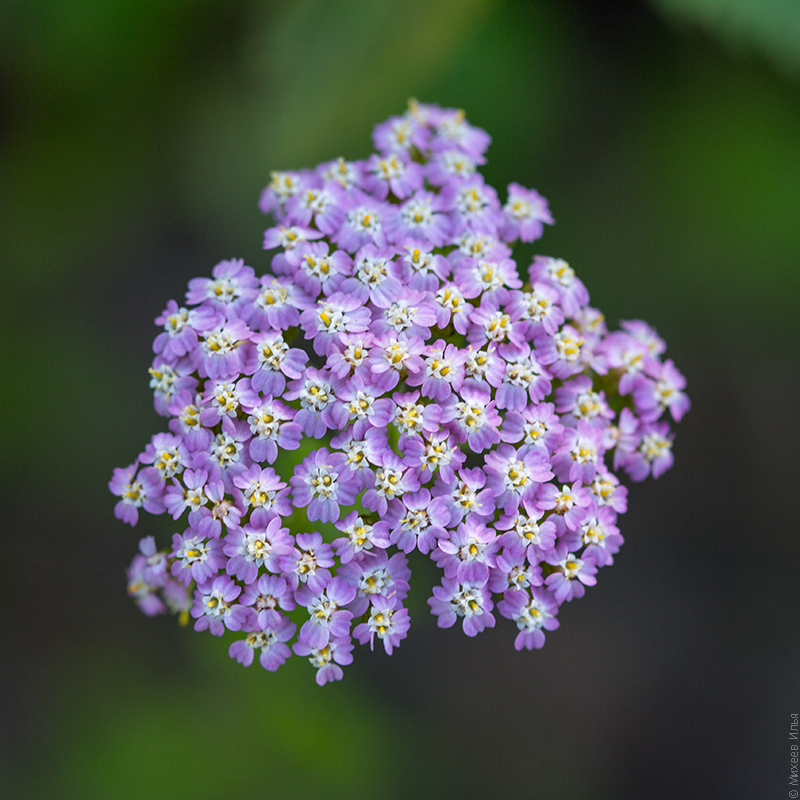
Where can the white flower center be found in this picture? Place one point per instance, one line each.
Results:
(560, 272)
(519, 208)
(458, 164)
(315, 394)
(374, 581)
(516, 477)
(408, 417)
(226, 449)
(264, 423)
(468, 602)
(361, 406)
(271, 297)
(532, 617)
(219, 342)
(331, 320)
(177, 322)
(162, 379)
(322, 481)
(568, 346)
(168, 462)
(470, 201)
(257, 495)
(417, 214)
(284, 184)
(654, 446)
(537, 306)
(498, 326)
(371, 270)
(471, 416)
(387, 482)
(191, 551)
(224, 289)
(396, 354)
(400, 315)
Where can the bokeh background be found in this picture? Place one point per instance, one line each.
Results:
(135, 138)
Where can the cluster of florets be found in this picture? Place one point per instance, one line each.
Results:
(443, 405)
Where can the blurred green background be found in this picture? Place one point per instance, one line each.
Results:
(135, 138)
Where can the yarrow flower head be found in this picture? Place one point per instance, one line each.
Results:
(396, 383)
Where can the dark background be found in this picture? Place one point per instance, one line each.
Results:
(135, 138)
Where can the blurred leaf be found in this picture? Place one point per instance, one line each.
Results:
(771, 27)
(218, 730)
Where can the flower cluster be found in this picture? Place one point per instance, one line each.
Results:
(437, 402)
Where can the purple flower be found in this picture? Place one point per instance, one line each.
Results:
(526, 212)
(443, 372)
(391, 377)
(136, 491)
(536, 426)
(466, 495)
(212, 606)
(265, 596)
(222, 351)
(262, 542)
(476, 277)
(392, 479)
(360, 537)
(476, 420)
(326, 660)
(180, 329)
(513, 477)
(557, 273)
(388, 623)
(398, 134)
(328, 618)
(420, 218)
(262, 489)
(409, 314)
(528, 534)
(226, 455)
(317, 400)
(316, 268)
(275, 306)
(271, 362)
(392, 356)
(468, 553)
(308, 562)
(439, 453)
(375, 576)
(417, 521)
(270, 641)
(323, 482)
(601, 537)
(570, 505)
(196, 559)
(271, 428)
(654, 453)
(232, 285)
(571, 575)
(420, 268)
(533, 613)
(395, 173)
(490, 323)
(188, 494)
(373, 276)
(328, 322)
(451, 306)
(579, 453)
(475, 206)
(469, 601)
(652, 398)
